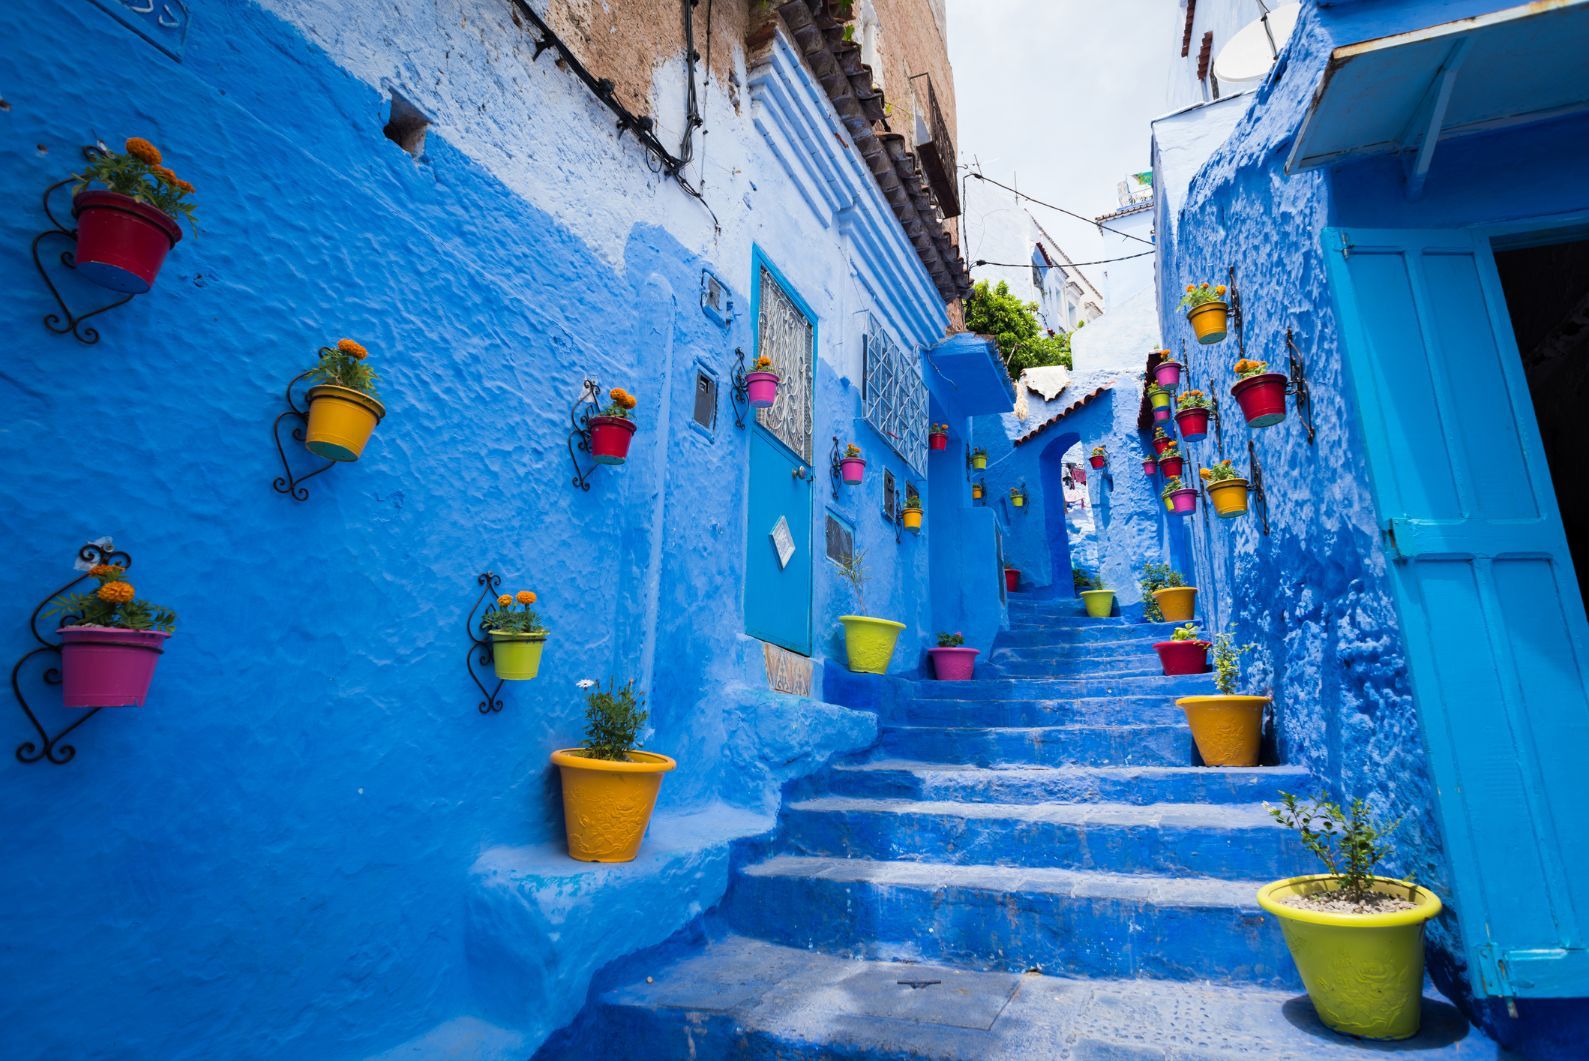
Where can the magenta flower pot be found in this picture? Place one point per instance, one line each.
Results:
(1167, 374)
(953, 664)
(102, 666)
(763, 388)
(1193, 424)
(1183, 657)
(1183, 502)
(1149, 465)
(852, 468)
(1163, 414)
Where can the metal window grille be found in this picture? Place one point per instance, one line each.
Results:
(894, 397)
(784, 334)
(888, 493)
(841, 541)
(706, 400)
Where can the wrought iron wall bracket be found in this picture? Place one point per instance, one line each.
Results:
(579, 414)
(1219, 424)
(739, 391)
(480, 650)
(835, 469)
(897, 521)
(53, 748)
(1297, 385)
(1260, 499)
(1237, 318)
(288, 483)
(66, 322)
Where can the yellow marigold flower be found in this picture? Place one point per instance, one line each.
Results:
(352, 349)
(504, 600)
(143, 151)
(1219, 289)
(526, 597)
(116, 592)
(1206, 474)
(106, 570)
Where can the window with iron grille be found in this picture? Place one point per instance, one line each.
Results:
(888, 493)
(706, 400)
(894, 397)
(785, 335)
(841, 540)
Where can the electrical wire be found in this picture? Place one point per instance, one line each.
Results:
(1061, 265)
(1068, 213)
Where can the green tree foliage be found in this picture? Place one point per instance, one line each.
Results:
(1013, 326)
(613, 720)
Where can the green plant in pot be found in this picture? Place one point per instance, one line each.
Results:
(1099, 602)
(868, 641)
(517, 636)
(1158, 576)
(1356, 937)
(610, 786)
(1228, 726)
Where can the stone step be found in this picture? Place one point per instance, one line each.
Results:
(1186, 839)
(1123, 639)
(1070, 711)
(1142, 745)
(1080, 923)
(1119, 665)
(1078, 655)
(907, 779)
(1064, 688)
(743, 998)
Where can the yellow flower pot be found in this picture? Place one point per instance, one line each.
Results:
(1169, 506)
(1100, 602)
(1208, 321)
(913, 520)
(516, 657)
(1177, 603)
(869, 642)
(1363, 972)
(340, 421)
(976, 493)
(1228, 729)
(1018, 501)
(979, 461)
(607, 805)
(1229, 498)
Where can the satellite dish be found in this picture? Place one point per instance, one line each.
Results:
(1245, 61)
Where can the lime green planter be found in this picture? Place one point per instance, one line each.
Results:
(516, 657)
(870, 642)
(1363, 972)
(1100, 602)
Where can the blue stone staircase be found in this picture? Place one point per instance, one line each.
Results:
(1028, 865)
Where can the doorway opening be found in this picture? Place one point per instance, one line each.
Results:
(1547, 297)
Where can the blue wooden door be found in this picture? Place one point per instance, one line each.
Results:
(1489, 605)
(777, 581)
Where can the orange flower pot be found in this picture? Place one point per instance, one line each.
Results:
(1229, 498)
(1208, 321)
(341, 421)
(1177, 603)
(1228, 729)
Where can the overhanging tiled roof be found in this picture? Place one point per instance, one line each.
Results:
(1066, 411)
(1126, 211)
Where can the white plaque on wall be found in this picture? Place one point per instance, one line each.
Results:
(783, 541)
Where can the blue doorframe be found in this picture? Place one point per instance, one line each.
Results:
(780, 486)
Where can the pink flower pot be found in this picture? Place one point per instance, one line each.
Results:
(610, 437)
(1172, 466)
(851, 469)
(103, 666)
(763, 388)
(1097, 462)
(1149, 465)
(1183, 502)
(1192, 423)
(1161, 444)
(1012, 579)
(1167, 374)
(952, 664)
(938, 440)
(1163, 414)
(1262, 398)
(121, 243)
(1183, 657)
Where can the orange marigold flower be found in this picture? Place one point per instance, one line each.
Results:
(165, 174)
(352, 349)
(629, 401)
(185, 187)
(1219, 289)
(1206, 474)
(106, 570)
(504, 600)
(616, 394)
(116, 592)
(1190, 288)
(526, 597)
(143, 150)
(1205, 283)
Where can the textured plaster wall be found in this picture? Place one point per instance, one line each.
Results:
(310, 843)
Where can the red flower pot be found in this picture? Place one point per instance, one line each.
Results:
(851, 469)
(1183, 657)
(1097, 462)
(103, 666)
(610, 437)
(121, 243)
(1183, 502)
(763, 389)
(1262, 398)
(1192, 423)
(1161, 444)
(1149, 465)
(952, 664)
(1167, 374)
(1172, 466)
(938, 440)
(1012, 579)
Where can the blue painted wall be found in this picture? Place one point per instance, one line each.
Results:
(310, 843)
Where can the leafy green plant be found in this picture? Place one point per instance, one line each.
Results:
(1153, 388)
(1013, 325)
(1083, 579)
(1192, 399)
(1173, 485)
(912, 502)
(1157, 576)
(1202, 294)
(852, 451)
(1185, 632)
(1159, 434)
(853, 570)
(1247, 368)
(954, 640)
(1348, 842)
(1218, 472)
(1171, 452)
(506, 619)
(613, 720)
(344, 367)
(112, 603)
(1227, 662)
(1099, 451)
(141, 174)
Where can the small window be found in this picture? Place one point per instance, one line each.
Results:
(888, 493)
(841, 540)
(406, 125)
(706, 400)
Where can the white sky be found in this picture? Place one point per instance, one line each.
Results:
(1055, 96)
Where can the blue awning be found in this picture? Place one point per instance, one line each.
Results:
(978, 383)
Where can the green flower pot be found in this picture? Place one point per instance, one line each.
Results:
(1100, 602)
(516, 657)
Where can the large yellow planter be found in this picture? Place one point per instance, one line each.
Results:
(1229, 497)
(869, 642)
(1227, 729)
(1100, 602)
(913, 520)
(1177, 603)
(1208, 321)
(341, 421)
(607, 805)
(1363, 972)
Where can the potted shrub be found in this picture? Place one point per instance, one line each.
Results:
(612, 430)
(517, 636)
(1192, 410)
(951, 660)
(1161, 440)
(912, 513)
(1160, 400)
(868, 641)
(1184, 652)
(609, 785)
(762, 384)
(938, 437)
(1167, 373)
(1262, 393)
(1017, 497)
(1165, 595)
(1099, 457)
(343, 409)
(1226, 490)
(1226, 727)
(1012, 579)
(1099, 602)
(852, 466)
(1356, 937)
(110, 641)
(1150, 466)
(1179, 498)
(126, 228)
(1171, 463)
(1206, 311)
(979, 459)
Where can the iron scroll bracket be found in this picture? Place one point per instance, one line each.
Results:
(739, 390)
(49, 747)
(579, 414)
(1297, 384)
(480, 650)
(66, 322)
(288, 483)
(1260, 499)
(835, 469)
